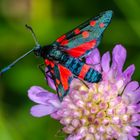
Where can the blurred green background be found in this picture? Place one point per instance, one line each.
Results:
(50, 19)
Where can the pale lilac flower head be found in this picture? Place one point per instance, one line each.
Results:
(106, 110)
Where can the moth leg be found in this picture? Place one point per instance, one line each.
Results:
(95, 64)
(47, 73)
(43, 71)
(82, 81)
(84, 60)
(40, 66)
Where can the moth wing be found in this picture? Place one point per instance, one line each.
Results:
(62, 78)
(81, 40)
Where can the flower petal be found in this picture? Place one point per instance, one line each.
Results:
(105, 62)
(119, 56)
(74, 137)
(131, 137)
(49, 79)
(55, 103)
(136, 96)
(132, 92)
(55, 116)
(127, 74)
(40, 95)
(136, 123)
(123, 137)
(132, 86)
(134, 131)
(94, 59)
(42, 110)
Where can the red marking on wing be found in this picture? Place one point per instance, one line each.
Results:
(81, 49)
(57, 81)
(60, 39)
(92, 23)
(52, 71)
(48, 62)
(52, 64)
(56, 85)
(64, 76)
(85, 34)
(101, 25)
(77, 31)
(83, 71)
(65, 42)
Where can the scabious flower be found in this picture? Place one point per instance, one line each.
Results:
(106, 110)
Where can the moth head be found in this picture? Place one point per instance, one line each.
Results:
(38, 51)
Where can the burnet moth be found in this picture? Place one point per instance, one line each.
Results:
(63, 57)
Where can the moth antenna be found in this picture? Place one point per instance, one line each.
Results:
(33, 34)
(21, 57)
(14, 62)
